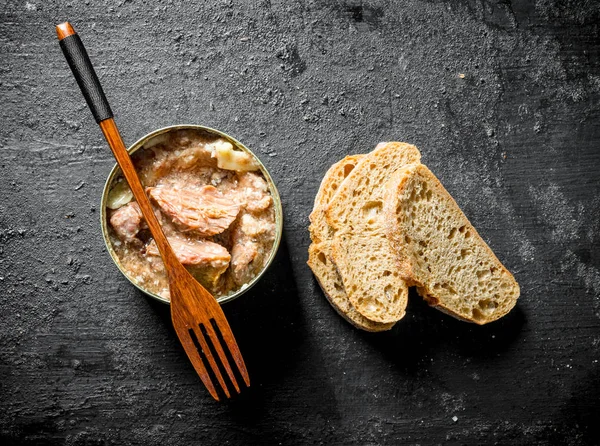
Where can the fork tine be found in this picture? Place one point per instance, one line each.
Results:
(231, 343)
(219, 348)
(211, 359)
(194, 356)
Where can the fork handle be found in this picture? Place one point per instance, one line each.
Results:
(81, 66)
(84, 73)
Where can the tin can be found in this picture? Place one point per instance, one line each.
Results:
(151, 139)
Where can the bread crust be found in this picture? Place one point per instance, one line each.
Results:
(365, 253)
(319, 252)
(336, 295)
(319, 228)
(360, 250)
(503, 290)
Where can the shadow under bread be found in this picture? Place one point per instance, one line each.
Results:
(424, 331)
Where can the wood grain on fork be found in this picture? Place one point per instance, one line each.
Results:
(192, 306)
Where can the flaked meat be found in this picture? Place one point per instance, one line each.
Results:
(247, 253)
(193, 156)
(127, 221)
(254, 192)
(254, 227)
(244, 251)
(217, 212)
(195, 252)
(206, 260)
(204, 210)
(155, 162)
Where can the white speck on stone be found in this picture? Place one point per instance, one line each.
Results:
(589, 275)
(455, 418)
(502, 204)
(30, 6)
(557, 212)
(525, 248)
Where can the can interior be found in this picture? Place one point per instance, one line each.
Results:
(154, 138)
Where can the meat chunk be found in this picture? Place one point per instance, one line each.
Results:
(254, 192)
(192, 157)
(195, 252)
(248, 252)
(206, 260)
(244, 251)
(155, 163)
(127, 221)
(254, 227)
(204, 210)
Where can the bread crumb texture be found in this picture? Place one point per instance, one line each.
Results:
(319, 252)
(382, 222)
(330, 282)
(444, 256)
(360, 249)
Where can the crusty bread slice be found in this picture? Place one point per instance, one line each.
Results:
(320, 263)
(360, 249)
(319, 229)
(319, 252)
(441, 252)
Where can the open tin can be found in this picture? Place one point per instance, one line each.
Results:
(151, 139)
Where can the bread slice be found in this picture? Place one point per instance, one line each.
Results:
(362, 254)
(441, 252)
(319, 229)
(320, 263)
(319, 252)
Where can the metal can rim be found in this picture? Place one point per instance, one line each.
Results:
(272, 188)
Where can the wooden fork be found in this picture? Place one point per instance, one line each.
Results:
(196, 315)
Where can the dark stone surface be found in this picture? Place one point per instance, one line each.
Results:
(86, 359)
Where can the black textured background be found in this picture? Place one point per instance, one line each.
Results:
(85, 359)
